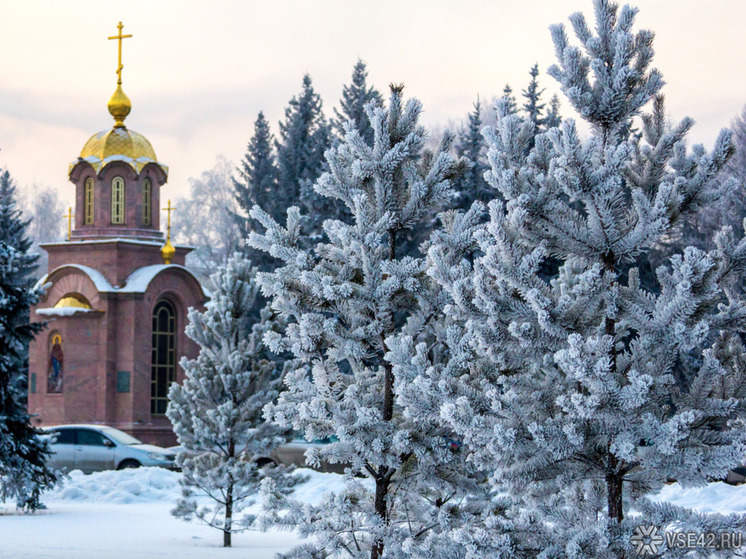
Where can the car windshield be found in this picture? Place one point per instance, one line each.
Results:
(120, 436)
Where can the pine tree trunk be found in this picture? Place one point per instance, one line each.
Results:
(614, 492)
(614, 480)
(228, 527)
(382, 489)
(383, 479)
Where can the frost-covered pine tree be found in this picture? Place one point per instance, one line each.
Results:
(345, 298)
(566, 389)
(217, 411)
(304, 137)
(731, 209)
(553, 118)
(14, 231)
(737, 165)
(23, 471)
(471, 185)
(533, 105)
(511, 106)
(257, 178)
(355, 97)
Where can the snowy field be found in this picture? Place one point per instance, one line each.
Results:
(118, 515)
(125, 514)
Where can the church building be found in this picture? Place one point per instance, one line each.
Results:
(117, 294)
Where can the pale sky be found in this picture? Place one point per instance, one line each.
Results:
(198, 72)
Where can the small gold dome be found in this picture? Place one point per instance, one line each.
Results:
(168, 251)
(118, 141)
(119, 106)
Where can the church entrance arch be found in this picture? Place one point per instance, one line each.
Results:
(163, 363)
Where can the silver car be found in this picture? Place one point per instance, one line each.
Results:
(92, 448)
(293, 453)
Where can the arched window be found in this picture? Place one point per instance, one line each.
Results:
(146, 206)
(117, 200)
(88, 217)
(163, 364)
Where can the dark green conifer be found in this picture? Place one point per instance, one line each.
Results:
(23, 471)
(352, 105)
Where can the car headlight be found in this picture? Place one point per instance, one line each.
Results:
(158, 457)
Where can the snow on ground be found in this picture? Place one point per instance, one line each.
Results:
(143, 485)
(125, 514)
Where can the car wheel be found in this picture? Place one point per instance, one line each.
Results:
(129, 464)
(265, 463)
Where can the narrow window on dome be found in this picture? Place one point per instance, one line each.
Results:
(88, 218)
(117, 200)
(146, 207)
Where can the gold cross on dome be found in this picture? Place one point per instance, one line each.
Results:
(69, 218)
(168, 209)
(119, 38)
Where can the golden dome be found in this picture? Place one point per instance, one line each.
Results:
(168, 251)
(118, 141)
(118, 144)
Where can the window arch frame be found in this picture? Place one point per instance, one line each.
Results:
(118, 198)
(164, 359)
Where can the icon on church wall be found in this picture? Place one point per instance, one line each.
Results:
(56, 367)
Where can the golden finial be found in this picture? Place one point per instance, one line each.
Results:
(69, 218)
(168, 250)
(119, 104)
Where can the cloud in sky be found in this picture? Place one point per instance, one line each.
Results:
(198, 72)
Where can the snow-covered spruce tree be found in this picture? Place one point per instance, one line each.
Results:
(304, 137)
(257, 181)
(344, 299)
(14, 231)
(217, 411)
(737, 165)
(731, 209)
(511, 106)
(471, 185)
(566, 389)
(553, 118)
(23, 471)
(533, 105)
(355, 97)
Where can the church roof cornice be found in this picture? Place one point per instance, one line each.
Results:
(137, 282)
(158, 243)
